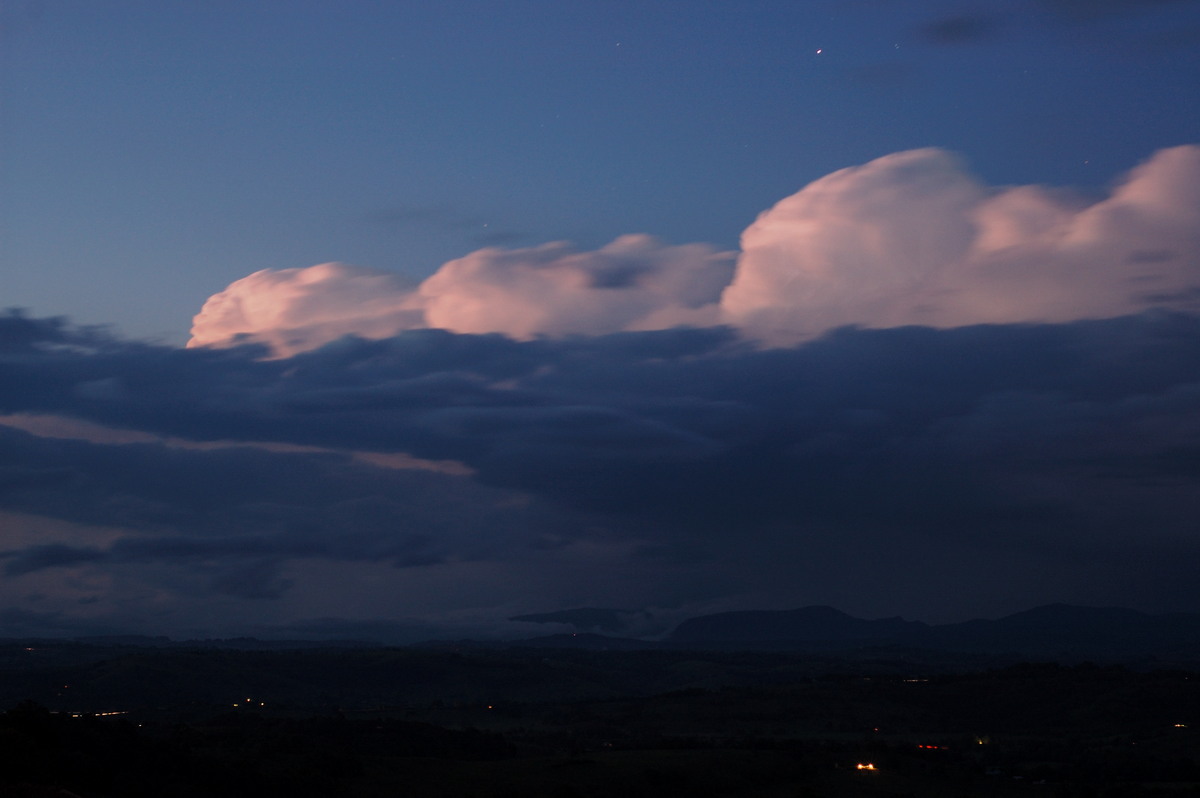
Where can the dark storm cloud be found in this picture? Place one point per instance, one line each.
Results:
(22, 623)
(1071, 443)
(19, 332)
(338, 541)
(51, 555)
(224, 505)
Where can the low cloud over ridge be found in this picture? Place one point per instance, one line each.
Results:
(909, 238)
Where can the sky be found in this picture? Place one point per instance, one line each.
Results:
(397, 320)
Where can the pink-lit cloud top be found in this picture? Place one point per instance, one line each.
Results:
(294, 309)
(913, 238)
(634, 283)
(909, 238)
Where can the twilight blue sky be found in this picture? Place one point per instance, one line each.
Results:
(155, 152)
(505, 308)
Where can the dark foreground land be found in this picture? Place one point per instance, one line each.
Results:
(108, 721)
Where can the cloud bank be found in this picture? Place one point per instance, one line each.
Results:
(295, 309)
(910, 238)
(931, 473)
(971, 401)
(631, 284)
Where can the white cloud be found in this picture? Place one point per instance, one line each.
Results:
(292, 310)
(633, 283)
(909, 238)
(913, 238)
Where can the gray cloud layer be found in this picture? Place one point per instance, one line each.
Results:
(974, 469)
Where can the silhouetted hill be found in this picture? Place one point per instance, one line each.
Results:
(1061, 631)
(586, 619)
(1056, 631)
(809, 625)
(584, 642)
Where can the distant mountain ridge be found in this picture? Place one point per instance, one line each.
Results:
(586, 619)
(1060, 632)
(1055, 631)
(810, 624)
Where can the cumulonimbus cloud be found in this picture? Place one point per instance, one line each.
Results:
(633, 283)
(292, 310)
(913, 238)
(909, 238)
